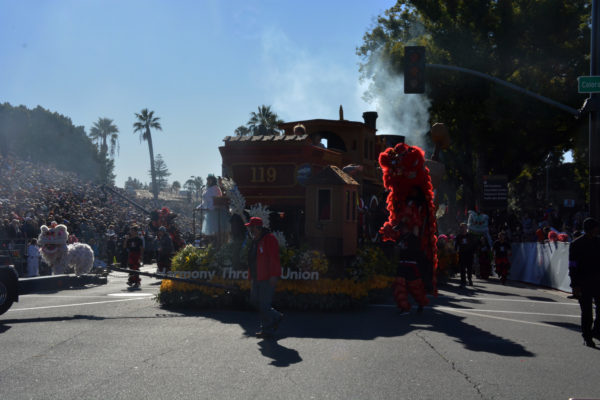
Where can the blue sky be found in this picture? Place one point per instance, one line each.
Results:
(202, 66)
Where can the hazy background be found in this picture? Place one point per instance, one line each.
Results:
(202, 67)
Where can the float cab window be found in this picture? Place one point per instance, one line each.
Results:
(324, 205)
(347, 204)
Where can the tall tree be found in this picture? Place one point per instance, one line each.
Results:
(162, 172)
(539, 45)
(264, 122)
(102, 132)
(146, 121)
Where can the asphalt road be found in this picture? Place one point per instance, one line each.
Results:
(485, 342)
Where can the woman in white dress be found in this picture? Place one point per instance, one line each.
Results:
(210, 226)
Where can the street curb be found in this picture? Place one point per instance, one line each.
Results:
(58, 282)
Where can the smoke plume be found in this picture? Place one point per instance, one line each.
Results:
(399, 113)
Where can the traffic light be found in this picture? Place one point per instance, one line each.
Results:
(414, 69)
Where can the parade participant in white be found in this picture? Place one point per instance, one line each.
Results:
(33, 259)
(211, 222)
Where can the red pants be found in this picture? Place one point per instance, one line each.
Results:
(133, 261)
(403, 287)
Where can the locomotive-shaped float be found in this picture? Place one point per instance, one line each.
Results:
(321, 178)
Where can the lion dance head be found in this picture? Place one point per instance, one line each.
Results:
(53, 242)
(62, 256)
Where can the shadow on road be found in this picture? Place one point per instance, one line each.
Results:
(282, 356)
(48, 319)
(370, 324)
(566, 325)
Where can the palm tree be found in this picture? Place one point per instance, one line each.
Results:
(175, 186)
(242, 130)
(145, 121)
(102, 131)
(195, 184)
(264, 122)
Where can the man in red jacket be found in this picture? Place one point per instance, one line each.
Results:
(264, 269)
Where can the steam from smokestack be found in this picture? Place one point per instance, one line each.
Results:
(399, 113)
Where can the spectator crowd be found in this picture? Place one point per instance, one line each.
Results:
(32, 195)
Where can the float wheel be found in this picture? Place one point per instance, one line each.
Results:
(5, 296)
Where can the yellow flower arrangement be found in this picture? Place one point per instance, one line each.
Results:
(193, 259)
(323, 293)
(348, 287)
(371, 261)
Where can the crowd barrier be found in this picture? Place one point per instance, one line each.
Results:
(544, 264)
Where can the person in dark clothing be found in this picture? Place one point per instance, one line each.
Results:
(465, 248)
(502, 253)
(411, 273)
(14, 230)
(111, 248)
(29, 229)
(584, 272)
(264, 270)
(238, 234)
(484, 256)
(135, 249)
(165, 250)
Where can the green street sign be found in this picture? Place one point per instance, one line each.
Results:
(589, 84)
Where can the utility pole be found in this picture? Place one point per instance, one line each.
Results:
(594, 133)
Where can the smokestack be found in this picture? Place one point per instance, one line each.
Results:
(370, 118)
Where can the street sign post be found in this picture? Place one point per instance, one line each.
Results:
(495, 192)
(588, 84)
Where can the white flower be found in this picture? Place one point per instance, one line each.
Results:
(237, 202)
(280, 239)
(263, 212)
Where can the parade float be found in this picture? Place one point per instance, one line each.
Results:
(320, 188)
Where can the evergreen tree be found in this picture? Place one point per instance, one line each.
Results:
(162, 173)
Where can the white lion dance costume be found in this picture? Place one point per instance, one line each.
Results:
(56, 253)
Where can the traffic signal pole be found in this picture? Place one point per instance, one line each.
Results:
(594, 128)
(512, 86)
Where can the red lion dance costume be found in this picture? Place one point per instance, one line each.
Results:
(164, 217)
(411, 223)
